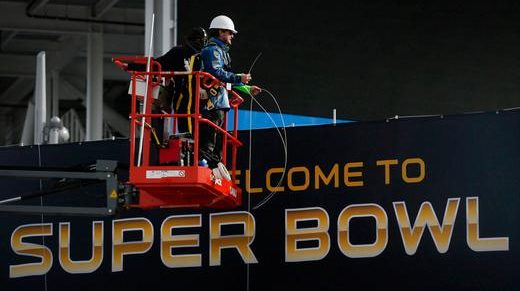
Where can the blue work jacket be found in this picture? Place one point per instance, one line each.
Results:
(216, 61)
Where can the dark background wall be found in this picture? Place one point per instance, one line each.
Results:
(464, 156)
(374, 59)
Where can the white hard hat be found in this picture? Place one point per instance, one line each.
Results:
(222, 22)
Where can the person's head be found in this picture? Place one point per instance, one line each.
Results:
(223, 28)
(196, 38)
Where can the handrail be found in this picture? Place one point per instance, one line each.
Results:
(194, 115)
(204, 80)
(119, 61)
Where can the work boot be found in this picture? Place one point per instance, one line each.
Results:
(224, 173)
(220, 172)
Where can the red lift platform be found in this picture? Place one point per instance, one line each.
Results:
(181, 182)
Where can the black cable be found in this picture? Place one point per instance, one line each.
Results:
(50, 191)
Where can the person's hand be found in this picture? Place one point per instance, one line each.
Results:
(255, 90)
(245, 78)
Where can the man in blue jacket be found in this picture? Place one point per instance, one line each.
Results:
(217, 61)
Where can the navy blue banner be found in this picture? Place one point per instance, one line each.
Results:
(425, 203)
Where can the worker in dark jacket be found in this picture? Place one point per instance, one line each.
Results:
(217, 61)
(185, 58)
(179, 92)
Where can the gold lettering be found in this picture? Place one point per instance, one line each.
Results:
(249, 189)
(319, 175)
(404, 170)
(306, 182)
(362, 250)
(120, 248)
(169, 241)
(32, 250)
(237, 175)
(86, 266)
(295, 234)
(387, 164)
(351, 174)
(475, 242)
(242, 243)
(268, 184)
(411, 236)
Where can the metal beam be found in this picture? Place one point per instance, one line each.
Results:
(101, 7)
(28, 125)
(14, 65)
(165, 25)
(105, 171)
(23, 86)
(17, 93)
(116, 120)
(123, 44)
(61, 54)
(6, 37)
(40, 98)
(22, 65)
(98, 175)
(110, 71)
(55, 96)
(68, 52)
(20, 88)
(36, 5)
(94, 98)
(71, 92)
(29, 46)
(148, 11)
(14, 18)
(25, 66)
(57, 210)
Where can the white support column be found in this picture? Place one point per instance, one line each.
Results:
(148, 11)
(40, 102)
(166, 26)
(94, 86)
(28, 126)
(55, 93)
(174, 23)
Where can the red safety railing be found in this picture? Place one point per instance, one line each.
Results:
(202, 80)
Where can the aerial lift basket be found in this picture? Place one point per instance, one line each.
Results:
(177, 179)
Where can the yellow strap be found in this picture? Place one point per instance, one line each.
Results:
(156, 137)
(178, 102)
(154, 133)
(190, 93)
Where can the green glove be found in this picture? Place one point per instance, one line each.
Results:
(243, 88)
